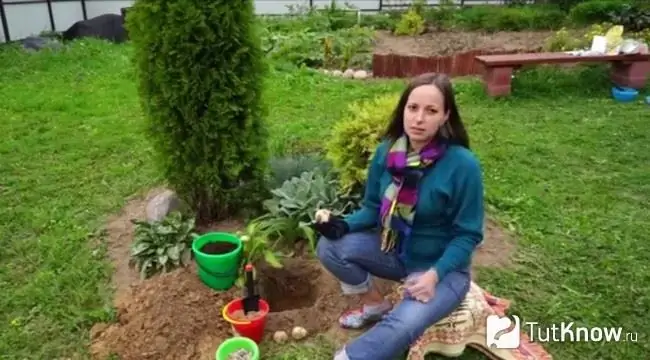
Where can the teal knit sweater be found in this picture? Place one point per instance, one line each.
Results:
(448, 224)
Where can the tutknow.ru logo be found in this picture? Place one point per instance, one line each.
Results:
(504, 332)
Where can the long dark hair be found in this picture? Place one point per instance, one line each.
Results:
(453, 131)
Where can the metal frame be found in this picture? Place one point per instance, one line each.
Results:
(5, 25)
(50, 12)
(460, 3)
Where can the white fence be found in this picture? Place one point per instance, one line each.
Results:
(23, 18)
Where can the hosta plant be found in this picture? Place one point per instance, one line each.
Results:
(291, 209)
(285, 168)
(163, 245)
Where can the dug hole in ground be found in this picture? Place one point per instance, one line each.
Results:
(174, 316)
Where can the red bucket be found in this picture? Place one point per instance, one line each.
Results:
(252, 329)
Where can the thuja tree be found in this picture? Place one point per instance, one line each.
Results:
(200, 65)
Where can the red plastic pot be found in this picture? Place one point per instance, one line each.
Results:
(253, 329)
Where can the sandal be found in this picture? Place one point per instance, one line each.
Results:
(363, 317)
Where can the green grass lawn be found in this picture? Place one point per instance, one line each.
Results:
(563, 163)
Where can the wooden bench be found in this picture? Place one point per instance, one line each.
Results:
(627, 70)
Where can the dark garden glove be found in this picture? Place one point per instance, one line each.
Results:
(333, 229)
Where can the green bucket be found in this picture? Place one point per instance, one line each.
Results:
(218, 271)
(236, 343)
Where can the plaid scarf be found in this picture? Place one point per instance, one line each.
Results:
(397, 209)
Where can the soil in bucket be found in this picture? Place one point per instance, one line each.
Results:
(239, 315)
(218, 256)
(215, 248)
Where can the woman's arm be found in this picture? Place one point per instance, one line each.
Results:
(468, 216)
(368, 215)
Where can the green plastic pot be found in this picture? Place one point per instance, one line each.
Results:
(236, 343)
(218, 271)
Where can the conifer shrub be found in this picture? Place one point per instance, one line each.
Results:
(355, 138)
(200, 69)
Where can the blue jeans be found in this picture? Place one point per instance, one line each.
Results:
(354, 260)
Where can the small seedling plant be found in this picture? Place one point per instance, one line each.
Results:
(259, 246)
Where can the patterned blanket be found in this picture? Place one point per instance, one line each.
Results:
(466, 326)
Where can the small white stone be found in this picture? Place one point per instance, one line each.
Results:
(280, 336)
(360, 74)
(349, 73)
(337, 72)
(298, 332)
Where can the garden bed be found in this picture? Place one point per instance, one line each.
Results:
(451, 42)
(450, 52)
(174, 316)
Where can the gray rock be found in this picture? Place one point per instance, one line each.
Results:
(162, 205)
(35, 43)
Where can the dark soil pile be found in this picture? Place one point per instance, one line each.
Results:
(451, 42)
(172, 316)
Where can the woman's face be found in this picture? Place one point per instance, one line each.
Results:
(424, 114)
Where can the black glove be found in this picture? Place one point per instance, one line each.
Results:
(333, 229)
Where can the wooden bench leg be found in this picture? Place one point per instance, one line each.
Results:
(497, 81)
(630, 74)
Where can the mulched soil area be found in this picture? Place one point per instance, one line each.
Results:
(444, 43)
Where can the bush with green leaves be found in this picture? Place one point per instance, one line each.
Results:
(633, 19)
(291, 210)
(379, 21)
(515, 18)
(563, 40)
(441, 16)
(411, 24)
(163, 245)
(356, 136)
(336, 49)
(594, 11)
(200, 72)
(285, 168)
(565, 5)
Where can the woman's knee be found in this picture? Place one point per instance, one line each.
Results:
(324, 249)
(413, 317)
(456, 283)
(408, 319)
(349, 247)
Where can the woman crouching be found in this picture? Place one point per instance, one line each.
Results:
(425, 194)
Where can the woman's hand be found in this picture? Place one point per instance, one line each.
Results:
(322, 216)
(330, 226)
(422, 286)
